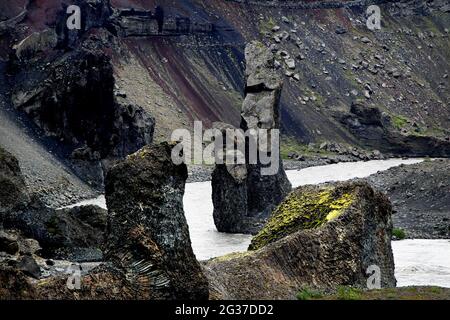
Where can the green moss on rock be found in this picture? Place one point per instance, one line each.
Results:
(231, 256)
(302, 209)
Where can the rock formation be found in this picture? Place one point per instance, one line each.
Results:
(243, 197)
(148, 233)
(371, 125)
(95, 14)
(74, 101)
(36, 42)
(320, 236)
(148, 250)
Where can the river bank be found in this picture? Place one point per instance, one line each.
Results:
(420, 196)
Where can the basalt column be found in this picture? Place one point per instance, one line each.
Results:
(259, 192)
(261, 111)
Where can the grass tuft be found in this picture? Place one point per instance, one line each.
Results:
(308, 294)
(400, 234)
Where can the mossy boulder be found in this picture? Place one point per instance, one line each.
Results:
(320, 237)
(305, 208)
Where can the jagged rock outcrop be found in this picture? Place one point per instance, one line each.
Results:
(35, 43)
(336, 60)
(243, 196)
(320, 236)
(94, 14)
(19, 253)
(148, 251)
(229, 192)
(73, 100)
(371, 125)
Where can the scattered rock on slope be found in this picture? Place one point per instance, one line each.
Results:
(320, 236)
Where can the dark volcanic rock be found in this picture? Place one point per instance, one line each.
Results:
(94, 13)
(229, 189)
(61, 234)
(377, 130)
(243, 197)
(8, 243)
(13, 192)
(28, 265)
(320, 236)
(93, 216)
(148, 233)
(73, 100)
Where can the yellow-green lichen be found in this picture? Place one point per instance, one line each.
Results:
(302, 210)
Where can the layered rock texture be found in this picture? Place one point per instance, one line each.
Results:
(74, 101)
(243, 195)
(148, 233)
(320, 236)
(148, 253)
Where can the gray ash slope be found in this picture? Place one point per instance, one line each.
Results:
(420, 196)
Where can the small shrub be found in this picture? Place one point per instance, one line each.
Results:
(399, 234)
(348, 293)
(399, 122)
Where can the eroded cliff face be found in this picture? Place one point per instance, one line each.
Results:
(194, 68)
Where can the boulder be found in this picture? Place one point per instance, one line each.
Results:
(13, 191)
(29, 267)
(36, 42)
(8, 243)
(320, 236)
(379, 131)
(242, 196)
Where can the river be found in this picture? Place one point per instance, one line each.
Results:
(418, 262)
